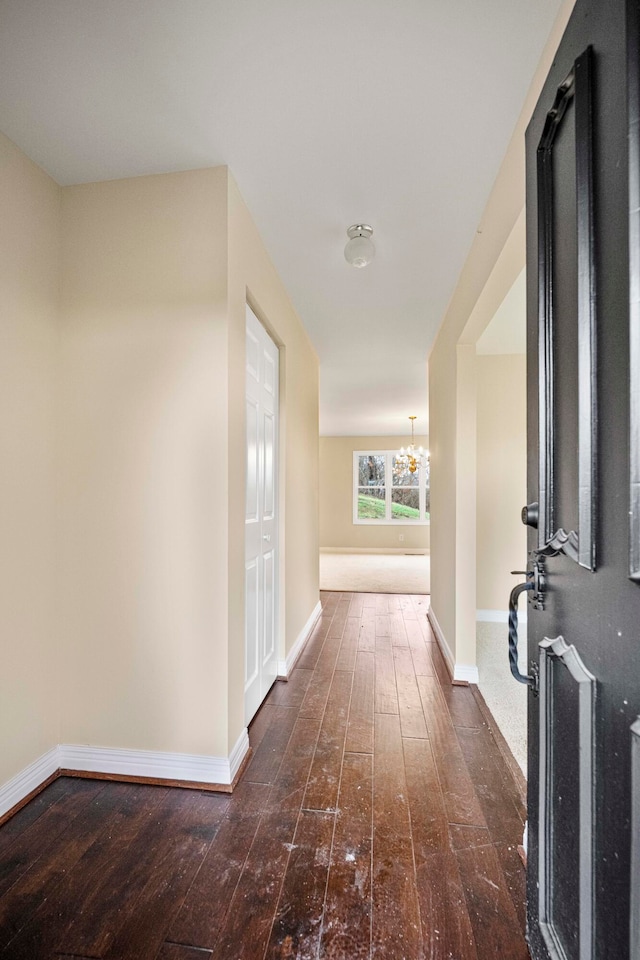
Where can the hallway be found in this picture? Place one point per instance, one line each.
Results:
(376, 818)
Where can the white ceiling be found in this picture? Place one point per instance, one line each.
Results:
(395, 113)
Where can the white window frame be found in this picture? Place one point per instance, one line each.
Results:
(388, 472)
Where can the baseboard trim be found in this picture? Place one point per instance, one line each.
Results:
(459, 672)
(238, 756)
(286, 666)
(465, 673)
(189, 771)
(28, 783)
(155, 765)
(148, 781)
(445, 649)
(498, 616)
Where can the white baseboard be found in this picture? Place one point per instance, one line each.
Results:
(466, 673)
(154, 764)
(29, 779)
(440, 637)
(498, 616)
(237, 755)
(121, 762)
(421, 551)
(286, 666)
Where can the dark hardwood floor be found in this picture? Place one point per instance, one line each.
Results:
(377, 818)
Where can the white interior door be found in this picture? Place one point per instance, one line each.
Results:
(261, 521)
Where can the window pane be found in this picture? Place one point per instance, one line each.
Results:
(371, 505)
(402, 476)
(371, 471)
(405, 503)
(428, 491)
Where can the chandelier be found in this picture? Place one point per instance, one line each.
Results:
(411, 456)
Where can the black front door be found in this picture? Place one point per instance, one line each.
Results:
(583, 264)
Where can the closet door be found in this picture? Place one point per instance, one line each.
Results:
(261, 521)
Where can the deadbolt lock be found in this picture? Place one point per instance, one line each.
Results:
(529, 515)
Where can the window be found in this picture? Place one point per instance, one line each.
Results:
(385, 490)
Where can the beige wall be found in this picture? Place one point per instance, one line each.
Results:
(465, 559)
(337, 529)
(29, 676)
(442, 439)
(502, 481)
(122, 436)
(452, 416)
(156, 273)
(143, 450)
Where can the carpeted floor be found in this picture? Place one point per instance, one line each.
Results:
(375, 572)
(505, 697)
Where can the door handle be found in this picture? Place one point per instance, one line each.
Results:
(267, 537)
(530, 679)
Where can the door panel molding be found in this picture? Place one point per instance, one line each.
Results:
(633, 61)
(552, 653)
(576, 87)
(634, 942)
(253, 464)
(252, 633)
(561, 542)
(269, 625)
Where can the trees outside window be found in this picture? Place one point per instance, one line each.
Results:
(385, 490)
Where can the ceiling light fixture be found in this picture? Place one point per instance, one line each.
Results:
(410, 457)
(359, 250)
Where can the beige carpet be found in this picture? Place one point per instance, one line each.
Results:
(375, 572)
(505, 697)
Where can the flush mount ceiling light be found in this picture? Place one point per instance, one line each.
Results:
(359, 250)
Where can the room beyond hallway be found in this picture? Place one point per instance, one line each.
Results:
(376, 818)
(400, 573)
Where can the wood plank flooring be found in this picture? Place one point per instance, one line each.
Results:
(376, 819)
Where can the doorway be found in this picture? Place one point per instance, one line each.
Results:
(261, 514)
